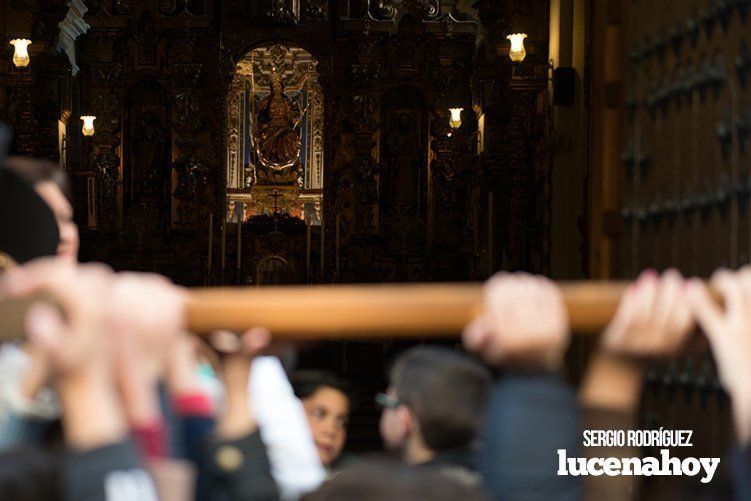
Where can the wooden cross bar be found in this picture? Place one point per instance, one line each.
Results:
(355, 311)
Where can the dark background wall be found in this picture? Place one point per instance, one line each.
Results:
(156, 74)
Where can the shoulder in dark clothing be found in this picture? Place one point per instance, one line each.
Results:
(458, 464)
(237, 470)
(529, 418)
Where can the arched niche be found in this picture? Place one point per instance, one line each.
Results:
(275, 135)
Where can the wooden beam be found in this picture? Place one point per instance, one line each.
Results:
(355, 311)
(351, 311)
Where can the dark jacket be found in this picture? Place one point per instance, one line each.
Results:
(529, 418)
(458, 464)
(237, 470)
(109, 473)
(741, 464)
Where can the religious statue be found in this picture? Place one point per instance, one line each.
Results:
(150, 156)
(279, 142)
(402, 162)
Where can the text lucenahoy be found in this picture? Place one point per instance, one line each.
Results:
(647, 466)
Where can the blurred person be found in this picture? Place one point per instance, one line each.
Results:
(652, 321)
(102, 462)
(433, 410)
(327, 405)
(235, 465)
(31, 474)
(52, 186)
(728, 330)
(192, 400)
(30, 407)
(28, 229)
(532, 412)
(283, 425)
(378, 481)
(141, 314)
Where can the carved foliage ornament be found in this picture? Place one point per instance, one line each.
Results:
(191, 174)
(283, 11)
(390, 8)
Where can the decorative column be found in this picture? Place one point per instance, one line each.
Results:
(101, 81)
(190, 176)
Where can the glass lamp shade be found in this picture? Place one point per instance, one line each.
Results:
(21, 52)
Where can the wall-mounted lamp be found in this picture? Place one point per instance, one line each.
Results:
(88, 125)
(455, 121)
(21, 52)
(517, 53)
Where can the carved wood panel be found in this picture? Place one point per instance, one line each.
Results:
(684, 171)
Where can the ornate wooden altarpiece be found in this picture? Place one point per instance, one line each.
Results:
(392, 192)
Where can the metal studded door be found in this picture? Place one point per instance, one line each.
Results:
(684, 177)
(687, 119)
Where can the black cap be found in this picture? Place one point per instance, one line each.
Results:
(28, 228)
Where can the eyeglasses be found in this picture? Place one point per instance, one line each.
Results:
(387, 401)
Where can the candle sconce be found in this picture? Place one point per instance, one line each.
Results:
(21, 57)
(517, 52)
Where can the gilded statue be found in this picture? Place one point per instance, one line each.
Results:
(279, 142)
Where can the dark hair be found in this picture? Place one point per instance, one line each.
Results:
(446, 391)
(306, 383)
(378, 480)
(31, 474)
(35, 171)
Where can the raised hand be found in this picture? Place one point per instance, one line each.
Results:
(525, 322)
(237, 355)
(653, 318)
(729, 335)
(71, 342)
